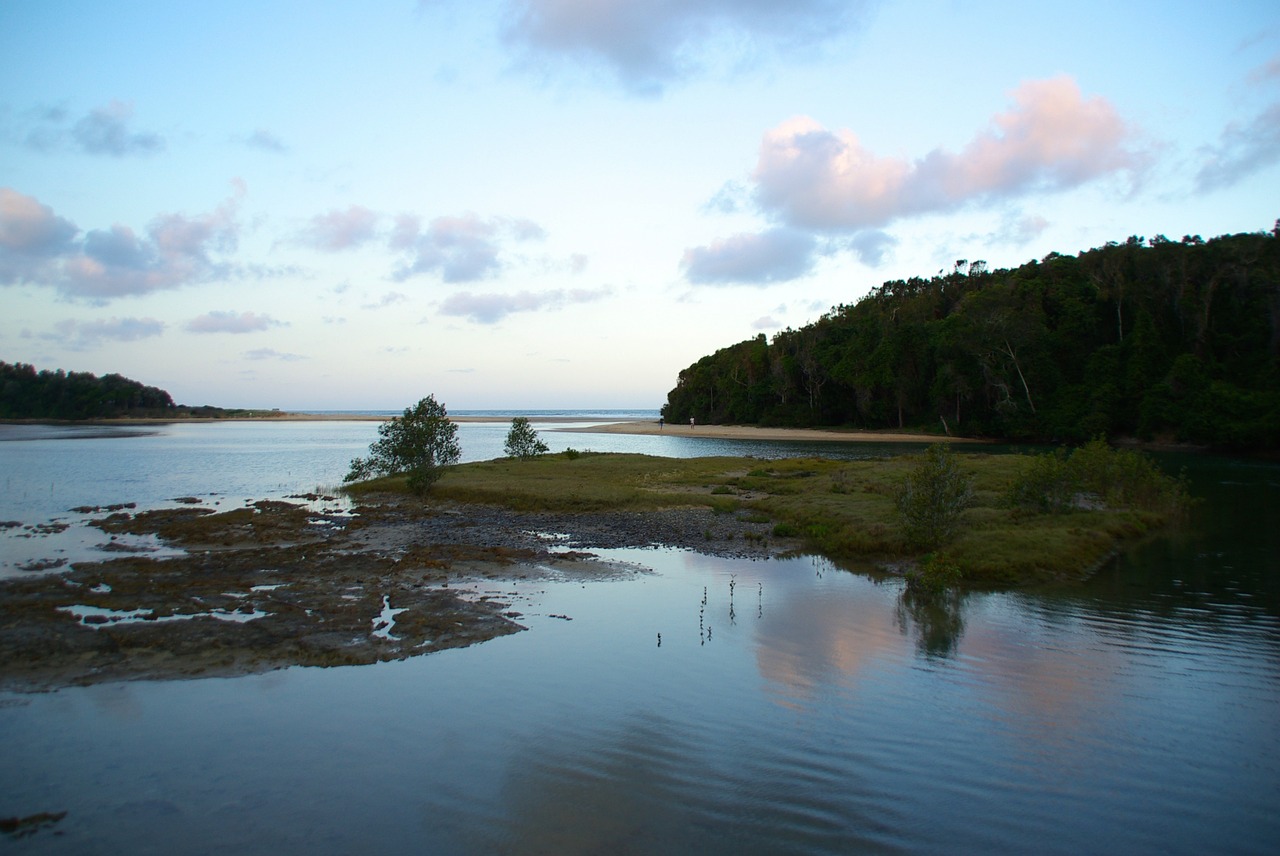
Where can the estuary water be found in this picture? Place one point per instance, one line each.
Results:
(700, 705)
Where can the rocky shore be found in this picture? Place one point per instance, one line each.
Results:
(278, 584)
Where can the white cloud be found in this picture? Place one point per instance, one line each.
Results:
(647, 45)
(492, 308)
(1242, 150)
(391, 298)
(459, 249)
(766, 322)
(758, 259)
(265, 141)
(340, 229)
(231, 322)
(1051, 139)
(83, 335)
(40, 248)
(271, 354)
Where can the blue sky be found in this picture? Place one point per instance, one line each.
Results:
(562, 203)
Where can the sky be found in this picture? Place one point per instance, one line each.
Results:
(563, 203)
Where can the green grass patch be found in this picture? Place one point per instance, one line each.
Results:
(843, 510)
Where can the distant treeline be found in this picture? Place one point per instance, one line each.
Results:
(1159, 339)
(29, 394)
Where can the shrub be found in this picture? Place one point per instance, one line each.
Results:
(522, 440)
(419, 443)
(930, 499)
(1047, 483)
(1099, 475)
(933, 577)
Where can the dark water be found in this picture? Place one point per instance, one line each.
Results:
(791, 707)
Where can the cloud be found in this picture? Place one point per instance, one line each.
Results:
(101, 131)
(1268, 71)
(491, 308)
(39, 248)
(391, 298)
(870, 246)
(1050, 139)
(271, 354)
(31, 236)
(459, 249)
(1018, 229)
(82, 335)
(340, 230)
(265, 141)
(105, 131)
(757, 259)
(1242, 150)
(231, 322)
(765, 322)
(647, 45)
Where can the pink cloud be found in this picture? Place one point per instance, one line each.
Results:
(492, 308)
(340, 230)
(29, 231)
(231, 322)
(38, 246)
(647, 45)
(1052, 138)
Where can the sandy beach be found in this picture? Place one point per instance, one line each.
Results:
(754, 432)
(582, 425)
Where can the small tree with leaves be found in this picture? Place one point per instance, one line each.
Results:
(420, 443)
(522, 440)
(932, 496)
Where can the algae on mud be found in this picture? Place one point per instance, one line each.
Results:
(275, 584)
(844, 510)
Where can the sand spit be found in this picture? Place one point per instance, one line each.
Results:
(754, 432)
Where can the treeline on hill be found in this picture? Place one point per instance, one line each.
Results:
(28, 394)
(1152, 339)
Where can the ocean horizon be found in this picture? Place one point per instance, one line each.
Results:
(546, 413)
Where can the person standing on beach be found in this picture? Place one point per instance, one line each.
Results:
(690, 423)
(660, 421)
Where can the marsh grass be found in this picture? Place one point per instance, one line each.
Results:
(843, 510)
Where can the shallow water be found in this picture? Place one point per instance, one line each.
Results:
(791, 707)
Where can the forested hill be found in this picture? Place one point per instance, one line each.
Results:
(1159, 339)
(28, 394)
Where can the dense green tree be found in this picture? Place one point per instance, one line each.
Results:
(522, 441)
(1156, 338)
(420, 443)
(28, 394)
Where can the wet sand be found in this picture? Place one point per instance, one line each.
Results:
(754, 432)
(597, 426)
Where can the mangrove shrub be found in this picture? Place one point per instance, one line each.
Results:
(522, 440)
(420, 444)
(932, 496)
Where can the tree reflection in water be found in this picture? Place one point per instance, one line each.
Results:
(936, 620)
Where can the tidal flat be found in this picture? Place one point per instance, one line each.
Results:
(311, 583)
(277, 584)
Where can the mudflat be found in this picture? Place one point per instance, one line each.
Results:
(279, 584)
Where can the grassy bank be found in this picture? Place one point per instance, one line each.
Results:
(1013, 529)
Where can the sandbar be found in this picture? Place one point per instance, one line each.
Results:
(755, 432)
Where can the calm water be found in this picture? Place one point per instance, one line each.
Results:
(799, 709)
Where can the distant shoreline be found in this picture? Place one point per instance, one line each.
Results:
(637, 426)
